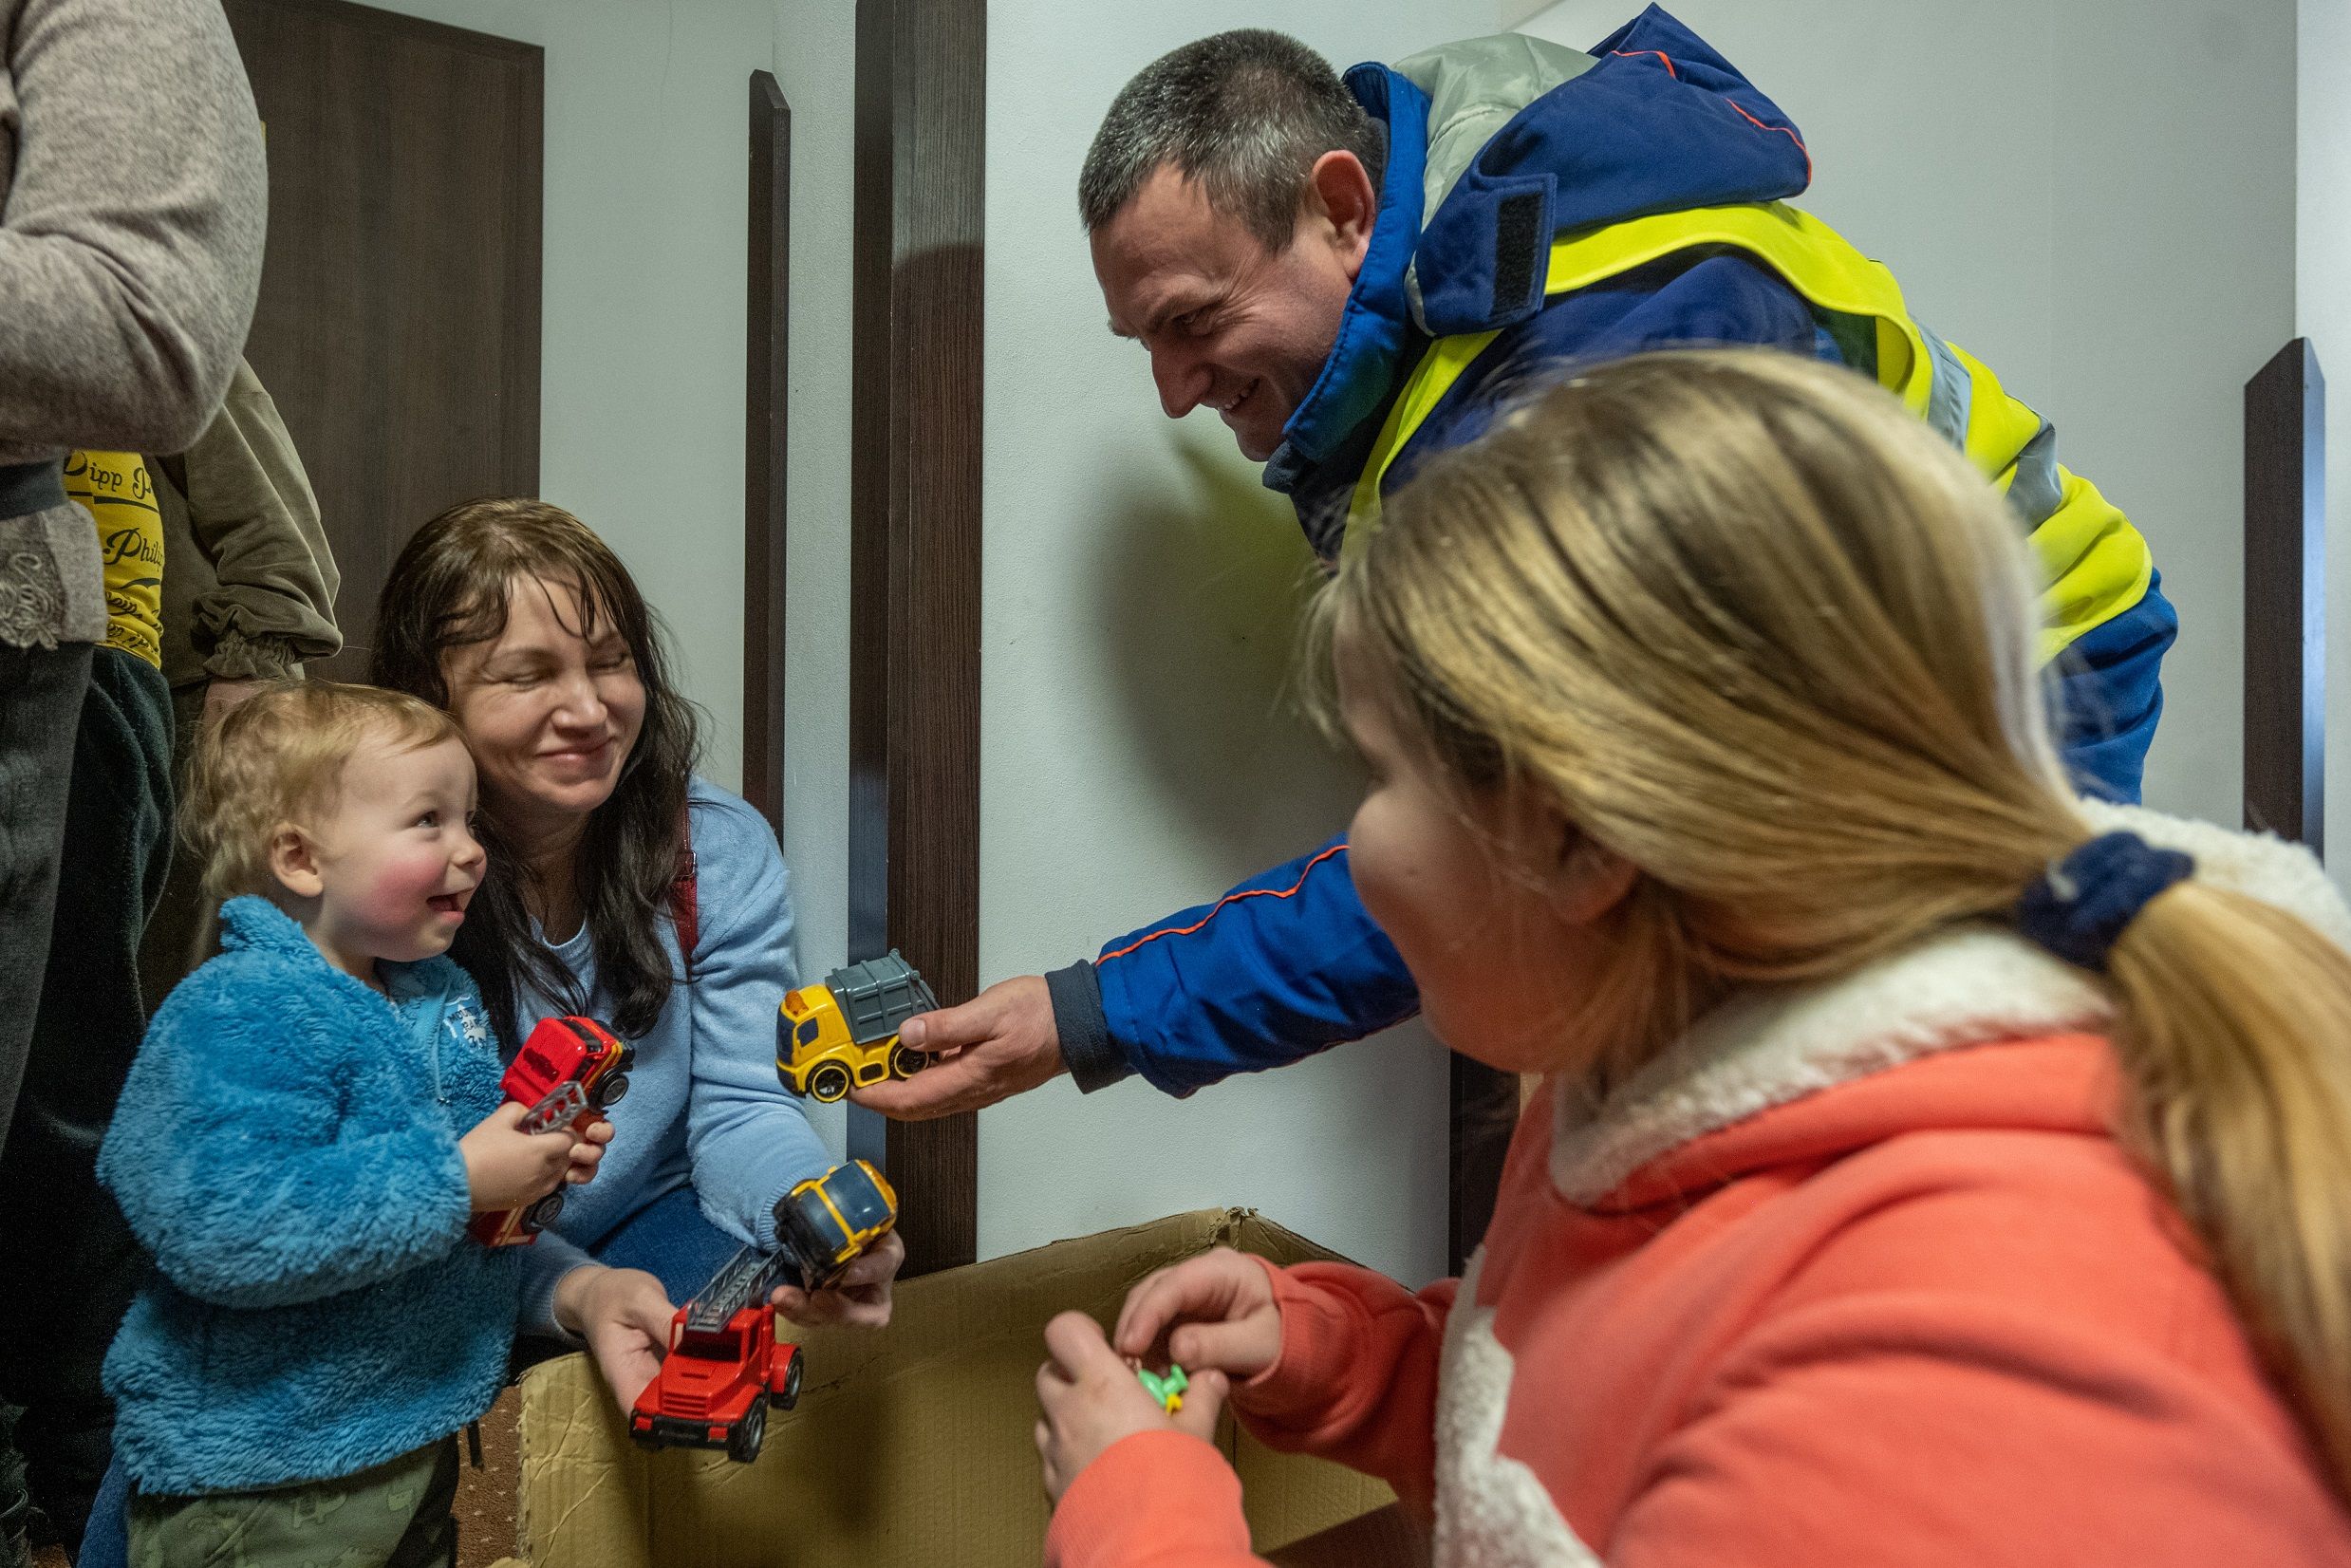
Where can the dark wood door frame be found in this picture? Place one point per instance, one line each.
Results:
(2285, 597)
(914, 558)
(766, 443)
(1484, 1113)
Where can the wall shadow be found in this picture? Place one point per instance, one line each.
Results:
(1203, 583)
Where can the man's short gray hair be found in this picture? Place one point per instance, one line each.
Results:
(1246, 113)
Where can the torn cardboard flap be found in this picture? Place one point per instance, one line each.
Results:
(912, 1447)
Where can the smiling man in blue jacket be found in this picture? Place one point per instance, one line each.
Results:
(1356, 273)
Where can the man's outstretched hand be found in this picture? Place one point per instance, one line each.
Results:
(995, 1046)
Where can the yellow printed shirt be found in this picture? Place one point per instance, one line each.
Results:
(118, 492)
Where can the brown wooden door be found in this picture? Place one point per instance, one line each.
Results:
(399, 323)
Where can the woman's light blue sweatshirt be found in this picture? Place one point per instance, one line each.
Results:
(705, 1108)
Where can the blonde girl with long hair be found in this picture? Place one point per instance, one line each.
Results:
(1932, 1167)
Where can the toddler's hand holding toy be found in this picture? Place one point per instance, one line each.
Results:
(506, 1167)
(587, 1152)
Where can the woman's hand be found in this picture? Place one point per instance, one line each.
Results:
(625, 1317)
(588, 1151)
(1215, 1311)
(1091, 1398)
(860, 1297)
(505, 1166)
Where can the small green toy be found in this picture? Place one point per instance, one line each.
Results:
(1168, 1387)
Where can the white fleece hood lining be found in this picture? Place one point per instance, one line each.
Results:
(1492, 1511)
(1968, 987)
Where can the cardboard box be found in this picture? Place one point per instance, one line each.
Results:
(910, 1448)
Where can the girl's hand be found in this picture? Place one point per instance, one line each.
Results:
(587, 1152)
(505, 1166)
(860, 1297)
(1092, 1398)
(625, 1317)
(1216, 1311)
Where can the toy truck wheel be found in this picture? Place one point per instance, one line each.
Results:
(609, 1091)
(787, 1393)
(828, 1082)
(543, 1213)
(905, 1061)
(742, 1443)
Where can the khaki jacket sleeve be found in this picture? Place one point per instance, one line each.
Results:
(270, 601)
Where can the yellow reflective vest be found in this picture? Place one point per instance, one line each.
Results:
(2095, 565)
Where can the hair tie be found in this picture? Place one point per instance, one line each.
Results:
(2082, 905)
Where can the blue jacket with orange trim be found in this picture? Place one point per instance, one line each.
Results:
(1651, 120)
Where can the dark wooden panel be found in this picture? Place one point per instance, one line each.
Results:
(766, 335)
(914, 560)
(1486, 1111)
(399, 322)
(2285, 597)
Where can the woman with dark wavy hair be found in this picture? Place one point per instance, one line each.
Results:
(523, 624)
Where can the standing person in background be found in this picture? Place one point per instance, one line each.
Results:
(132, 201)
(70, 1264)
(248, 593)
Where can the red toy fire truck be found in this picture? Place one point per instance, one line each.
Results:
(724, 1366)
(569, 1071)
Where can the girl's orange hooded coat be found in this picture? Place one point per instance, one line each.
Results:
(1853, 1274)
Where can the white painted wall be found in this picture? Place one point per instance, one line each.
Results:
(1139, 752)
(815, 62)
(641, 411)
(2322, 314)
(2096, 199)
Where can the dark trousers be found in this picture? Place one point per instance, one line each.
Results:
(183, 931)
(40, 706)
(71, 1265)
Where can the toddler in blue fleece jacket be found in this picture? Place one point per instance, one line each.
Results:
(313, 1119)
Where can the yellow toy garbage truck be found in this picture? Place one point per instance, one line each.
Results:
(844, 1033)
